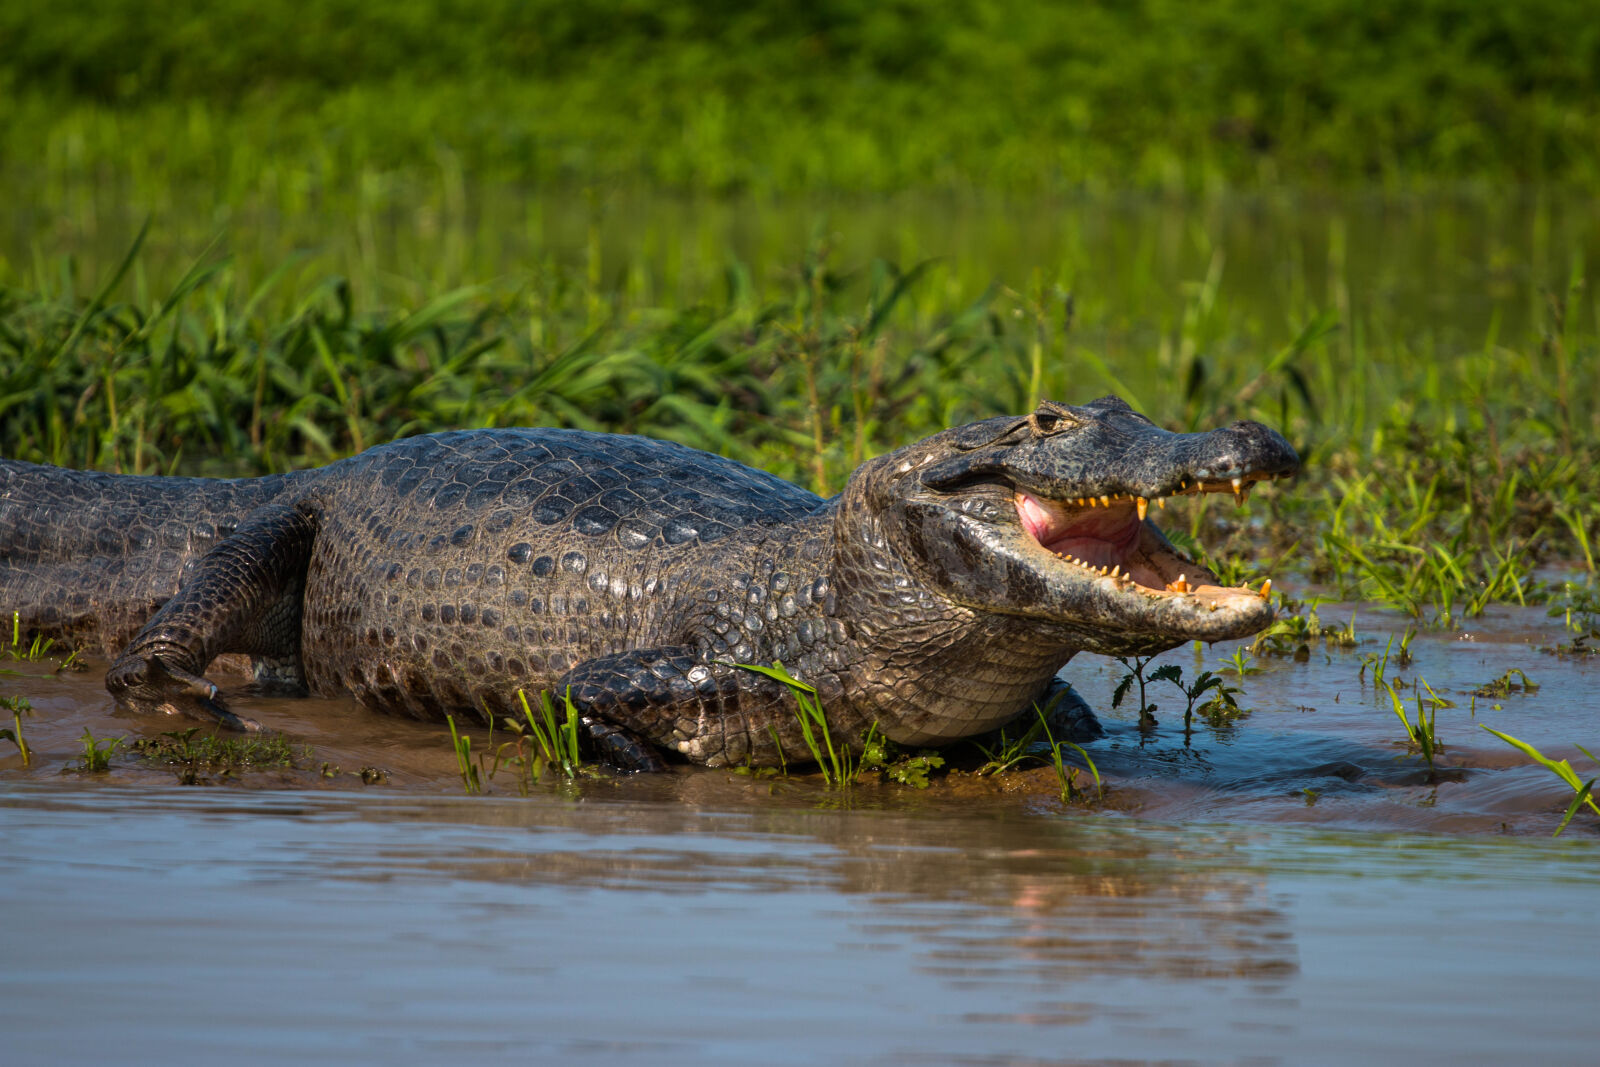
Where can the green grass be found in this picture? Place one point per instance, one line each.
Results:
(836, 761)
(31, 652)
(276, 105)
(542, 740)
(1066, 774)
(471, 778)
(1583, 792)
(1422, 734)
(1439, 492)
(554, 739)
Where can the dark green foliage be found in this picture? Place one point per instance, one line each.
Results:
(848, 94)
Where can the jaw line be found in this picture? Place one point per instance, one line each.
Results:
(1138, 579)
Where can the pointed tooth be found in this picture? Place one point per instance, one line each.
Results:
(1161, 502)
(1105, 502)
(1143, 505)
(1238, 491)
(1266, 589)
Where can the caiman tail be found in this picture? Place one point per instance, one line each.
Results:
(89, 557)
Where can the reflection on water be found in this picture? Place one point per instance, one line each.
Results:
(1292, 888)
(263, 924)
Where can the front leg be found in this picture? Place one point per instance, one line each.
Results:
(244, 596)
(714, 713)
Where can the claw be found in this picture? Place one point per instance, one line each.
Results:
(149, 684)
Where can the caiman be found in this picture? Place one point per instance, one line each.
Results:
(937, 596)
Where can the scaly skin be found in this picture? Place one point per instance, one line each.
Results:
(440, 574)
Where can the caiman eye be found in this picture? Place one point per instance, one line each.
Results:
(1051, 418)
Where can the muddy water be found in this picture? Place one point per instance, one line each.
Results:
(1293, 888)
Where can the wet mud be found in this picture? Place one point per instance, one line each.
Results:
(1315, 742)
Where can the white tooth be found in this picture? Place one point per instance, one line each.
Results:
(1161, 502)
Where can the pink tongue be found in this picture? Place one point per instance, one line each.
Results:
(1099, 540)
(1035, 519)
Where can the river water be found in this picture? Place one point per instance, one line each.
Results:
(1293, 887)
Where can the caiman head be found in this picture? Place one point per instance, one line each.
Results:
(1050, 517)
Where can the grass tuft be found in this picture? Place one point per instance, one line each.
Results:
(1583, 791)
(97, 752)
(835, 761)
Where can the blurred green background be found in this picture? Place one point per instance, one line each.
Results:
(244, 236)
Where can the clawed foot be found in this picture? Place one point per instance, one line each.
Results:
(149, 685)
(618, 748)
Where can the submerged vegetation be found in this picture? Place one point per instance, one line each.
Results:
(196, 756)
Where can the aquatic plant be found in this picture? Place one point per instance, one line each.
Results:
(18, 706)
(894, 763)
(1421, 734)
(1583, 792)
(1504, 685)
(1223, 705)
(193, 754)
(97, 752)
(1135, 666)
(37, 650)
(1379, 661)
(1239, 663)
(1007, 752)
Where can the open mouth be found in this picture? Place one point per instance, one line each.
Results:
(1108, 537)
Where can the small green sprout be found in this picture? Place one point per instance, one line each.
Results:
(97, 752)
